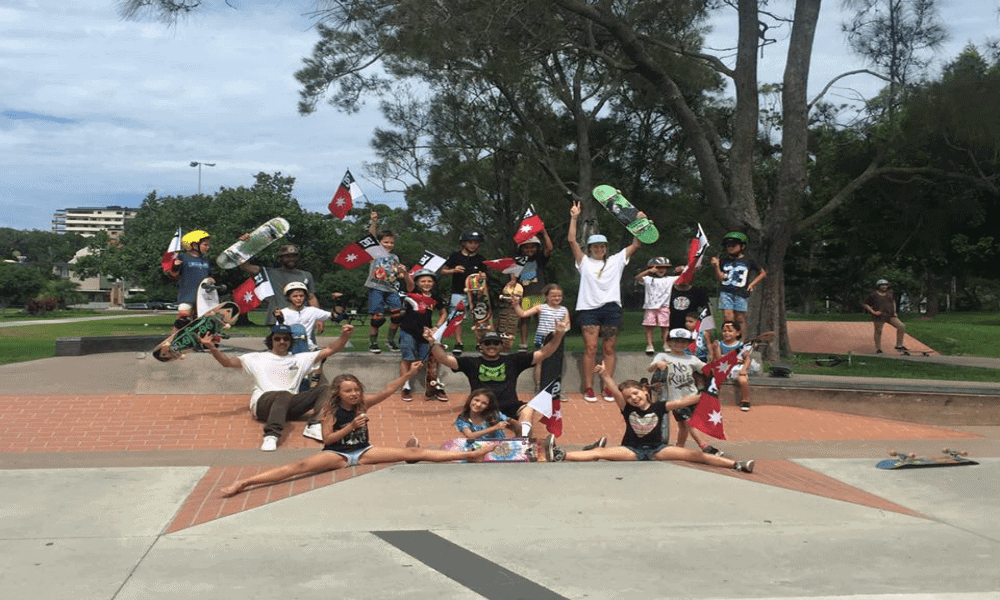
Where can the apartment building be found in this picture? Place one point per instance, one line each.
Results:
(87, 221)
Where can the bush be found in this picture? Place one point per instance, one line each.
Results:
(42, 305)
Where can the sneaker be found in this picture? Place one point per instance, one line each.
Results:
(744, 466)
(712, 450)
(745, 406)
(601, 443)
(552, 453)
(650, 351)
(314, 431)
(902, 348)
(407, 395)
(522, 348)
(374, 349)
(270, 444)
(457, 350)
(878, 351)
(392, 346)
(608, 395)
(589, 396)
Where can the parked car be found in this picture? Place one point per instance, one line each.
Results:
(137, 306)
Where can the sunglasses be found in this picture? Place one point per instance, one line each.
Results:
(491, 343)
(281, 338)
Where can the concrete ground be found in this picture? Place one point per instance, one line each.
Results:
(109, 492)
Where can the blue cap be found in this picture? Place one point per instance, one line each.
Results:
(597, 239)
(281, 328)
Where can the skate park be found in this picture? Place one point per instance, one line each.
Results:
(112, 463)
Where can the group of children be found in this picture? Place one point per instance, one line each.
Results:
(674, 386)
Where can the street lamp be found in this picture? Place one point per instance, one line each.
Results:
(199, 164)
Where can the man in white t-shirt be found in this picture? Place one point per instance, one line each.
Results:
(277, 374)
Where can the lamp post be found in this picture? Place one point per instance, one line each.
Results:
(199, 164)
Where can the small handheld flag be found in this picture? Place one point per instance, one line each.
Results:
(346, 195)
(531, 225)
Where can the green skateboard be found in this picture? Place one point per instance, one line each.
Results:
(628, 215)
(259, 238)
(188, 338)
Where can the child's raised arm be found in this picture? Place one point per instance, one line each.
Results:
(393, 386)
(610, 384)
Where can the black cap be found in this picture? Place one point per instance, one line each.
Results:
(281, 328)
(491, 336)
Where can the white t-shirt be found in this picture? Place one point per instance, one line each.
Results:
(600, 281)
(307, 318)
(657, 291)
(273, 373)
(680, 374)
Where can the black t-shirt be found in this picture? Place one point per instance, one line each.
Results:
(683, 302)
(355, 440)
(498, 375)
(472, 264)
(418, 310)
(532, 276)
(643, 427)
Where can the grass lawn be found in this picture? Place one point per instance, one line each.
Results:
(972, 334)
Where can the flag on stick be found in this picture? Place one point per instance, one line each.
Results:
(509, 266)
(546, 402)
(455, 318)
(346, 195)
(707, 415)
(167, 261)
(531, 224)
(706, 322)
(429, 261)
(696, 252)
(251, 292)
(360, 252)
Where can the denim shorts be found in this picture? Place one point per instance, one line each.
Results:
(609, 314)
(730, 301)
(644, 453)
(411, 348)
(353, 457)
(379, 302)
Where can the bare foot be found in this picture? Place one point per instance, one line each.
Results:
(233, 489)
(478, 454)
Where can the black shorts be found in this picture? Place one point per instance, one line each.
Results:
(683, 413)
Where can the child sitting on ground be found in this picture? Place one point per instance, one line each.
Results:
(481, 418)
(731, 341)
(346, 439)
(643, 439)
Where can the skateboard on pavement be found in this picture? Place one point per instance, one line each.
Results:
(188, 338)
(478, 294)
(257, 240)
(628, 215)
(901, 460)
(507, 319)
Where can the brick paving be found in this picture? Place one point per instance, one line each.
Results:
(857, 337)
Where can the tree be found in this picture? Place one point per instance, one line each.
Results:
(19, 284)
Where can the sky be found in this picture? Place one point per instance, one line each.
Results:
(97, 111)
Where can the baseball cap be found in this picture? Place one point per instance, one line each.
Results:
(281, 328)
(597, 239)
(491, 336)
(287, 249)
(681, 334)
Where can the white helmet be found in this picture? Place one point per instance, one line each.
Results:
(296, 285)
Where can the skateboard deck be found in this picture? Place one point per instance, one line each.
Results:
(188, 338)
(208, 296)
(478, 295)
(901, 460)
(259, 238)
(508, 450)
(628, 215)
(507, 319)
(552, 367)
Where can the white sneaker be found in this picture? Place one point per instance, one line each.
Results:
(270, 444)
(314, 431)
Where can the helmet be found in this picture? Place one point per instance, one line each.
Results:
(194, 237)
(681, 334)
(287, 249)
(532, 240)
(424, 273)
(472, 236)
(881, 282)
(737, 237)
(658, 261)
(597, 239)
(296, 285)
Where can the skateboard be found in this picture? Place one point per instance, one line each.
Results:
(188, 338)
(259, 238)
(478, 294)
(901, 460)
(552, 367)
(208, 295)
(433, 388)
(628, 215)
(508, 450)
(507, 319)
